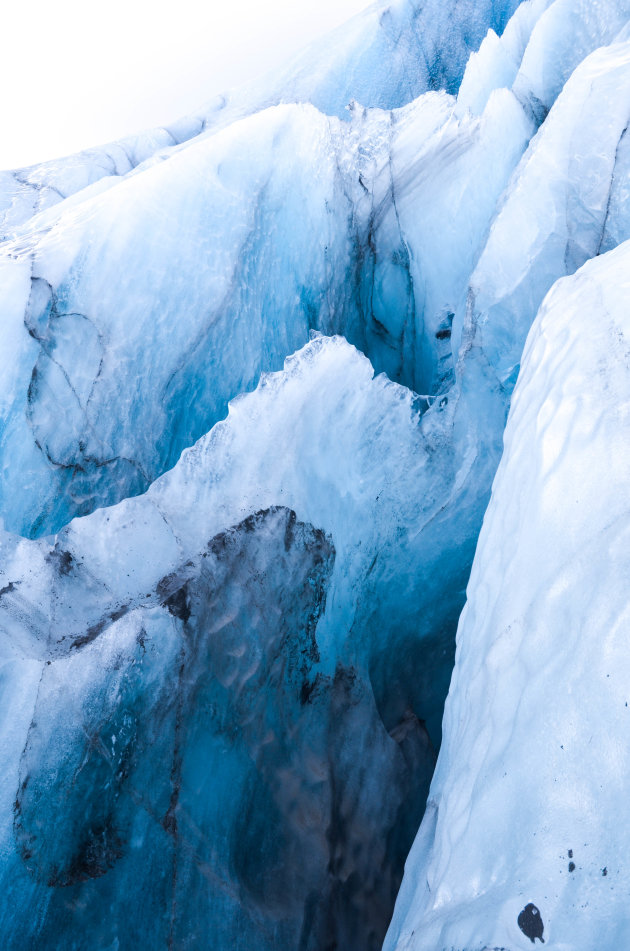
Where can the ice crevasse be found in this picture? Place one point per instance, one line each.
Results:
(256, 372)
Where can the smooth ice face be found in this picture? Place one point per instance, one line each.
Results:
(564, 35)
(542, 45)
(528, 803)
(498, 60)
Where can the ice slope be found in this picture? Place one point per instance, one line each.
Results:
(529, 800)
(384, 57)
(543, 43)
(562, 196)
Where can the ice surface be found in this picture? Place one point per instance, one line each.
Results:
(222, 695)
(529, 797)
(227, 690)
(543, 43)
(391, 232)
(210, 290)
(554, 215)
(497, 63)
(562, 37)
(188, 321)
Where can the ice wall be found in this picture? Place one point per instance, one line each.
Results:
(185, 282)
(528, 801)
(224, 276)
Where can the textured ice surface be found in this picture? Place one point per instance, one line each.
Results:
(210, 290)
(191, 277)
(542, 45)
(561, 196)
(228, 690)
(529, 798)
(222, 695)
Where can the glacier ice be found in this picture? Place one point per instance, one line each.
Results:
(561, 196)
(256, 371)
(396, 220)
(543, 43)
(528, 800)
(272, 628)
(188, 331)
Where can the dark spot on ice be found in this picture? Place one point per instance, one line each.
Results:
(531, 924)
(306, 691)
(8, 588)
(379, 328)
(289, 530)
(98, 851)
(61, 560)
(570, 853)
(178, 604)
(572, 866)
(311, 689)
(444, 330)
(604, 872)
(169, 822)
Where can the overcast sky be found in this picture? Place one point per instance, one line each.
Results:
(77, 73)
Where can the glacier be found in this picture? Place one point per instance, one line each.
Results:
(534, 812)
(270, 552)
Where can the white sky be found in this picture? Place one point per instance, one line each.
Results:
(77, 73)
